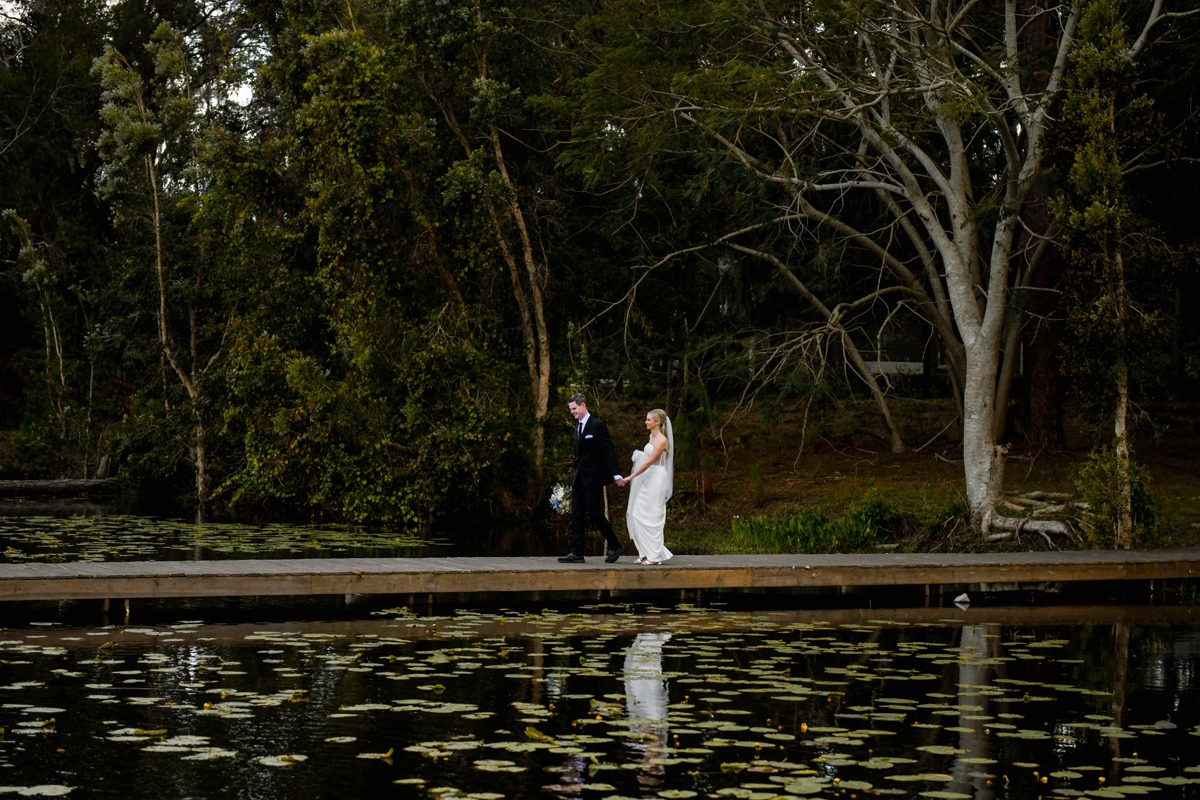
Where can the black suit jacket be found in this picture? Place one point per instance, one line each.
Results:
(595, 456)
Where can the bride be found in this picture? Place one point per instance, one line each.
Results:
(652, 479)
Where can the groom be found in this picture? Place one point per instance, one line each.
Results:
(595, 467)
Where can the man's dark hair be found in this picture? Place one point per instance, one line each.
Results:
(578, 399)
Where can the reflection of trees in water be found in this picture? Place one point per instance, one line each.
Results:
(646, 699)
(979, 648)
(957, 682)
(1121, 676)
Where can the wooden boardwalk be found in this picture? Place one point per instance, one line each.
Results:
(498, 576)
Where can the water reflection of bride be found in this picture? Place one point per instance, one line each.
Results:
(646, 698)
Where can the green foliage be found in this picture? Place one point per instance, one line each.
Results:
(874, 511)
(54, 390)
(943, 517)
(1096, 485)
(146, 137)
(1121, 269)
(333, 445)
(335, 286)
(863, 525)
(382, 397)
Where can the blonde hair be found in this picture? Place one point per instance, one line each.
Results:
(659, 416)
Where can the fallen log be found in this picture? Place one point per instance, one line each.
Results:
(60, 487)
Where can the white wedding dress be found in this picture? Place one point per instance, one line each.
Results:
(646, 514)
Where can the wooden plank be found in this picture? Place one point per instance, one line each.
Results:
(333, 576)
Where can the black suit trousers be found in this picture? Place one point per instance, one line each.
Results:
(587, 505)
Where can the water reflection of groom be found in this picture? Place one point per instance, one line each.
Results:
(595, 467)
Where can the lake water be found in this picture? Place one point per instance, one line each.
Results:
(623, 700)
(47, 533)
(601, 702)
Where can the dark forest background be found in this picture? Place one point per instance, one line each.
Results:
(345, 260)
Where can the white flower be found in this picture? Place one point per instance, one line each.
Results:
(560, 498)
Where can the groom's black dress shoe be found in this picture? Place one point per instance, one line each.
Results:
(613, 555)
(571, 558)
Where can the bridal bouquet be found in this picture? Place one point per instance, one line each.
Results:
(560, 499)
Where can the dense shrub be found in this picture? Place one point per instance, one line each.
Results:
(1097, 487)
(864, 525)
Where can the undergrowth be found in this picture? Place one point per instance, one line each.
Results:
(1098, 487)
(865, 525)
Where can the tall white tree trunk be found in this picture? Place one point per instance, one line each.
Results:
(130, 113)
(983, 460)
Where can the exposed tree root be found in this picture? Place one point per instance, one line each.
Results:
(1044, 515)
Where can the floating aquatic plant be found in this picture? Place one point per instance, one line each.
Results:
(725, 705)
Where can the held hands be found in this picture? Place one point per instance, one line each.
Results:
(623, 482)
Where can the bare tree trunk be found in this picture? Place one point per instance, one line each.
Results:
(189, 381)
(539, 337)
(537, 354)
(983, 459)
(200, 459)
(1124, 521)
(1009, 361)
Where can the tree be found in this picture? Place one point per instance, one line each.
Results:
(1118, 325)
(366, 376)
(476, 64)
(913, 135)
(149, 172)
(53, 236)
